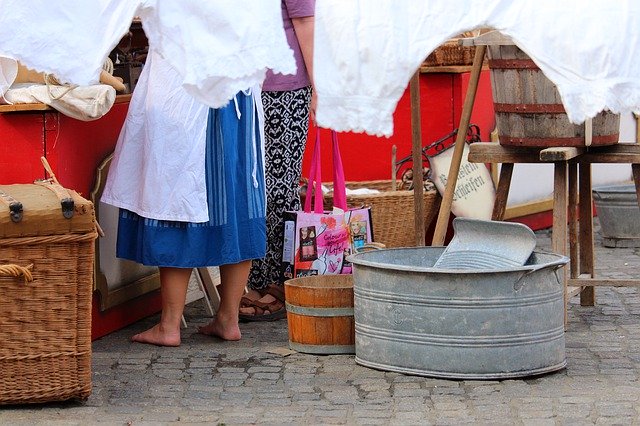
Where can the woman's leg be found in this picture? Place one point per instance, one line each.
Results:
(173, 287)
(233, 279)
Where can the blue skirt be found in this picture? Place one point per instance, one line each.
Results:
(236, 230)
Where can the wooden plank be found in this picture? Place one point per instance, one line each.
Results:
(502, 191)
(603, 282)
(563, 153)
(586, 259)
(573, 291)
(491, 38)
(448, 69)
(24, 107)
(44, 107)
(609, 158)
(493, 152)
(559, 234)
(445, 207)
(529, 208)
(416, 152)
(573, 220)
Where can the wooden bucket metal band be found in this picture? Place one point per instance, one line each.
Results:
(322, 349)
(319, 312)
(66, 201)
(530, 108)
(12, 270)
(15, 207)
(513, 64)
(554, 141)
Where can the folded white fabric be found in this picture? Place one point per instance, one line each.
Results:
(366, 51)
(84, 103)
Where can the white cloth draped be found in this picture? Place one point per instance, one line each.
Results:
(217, 47)
(367, 50)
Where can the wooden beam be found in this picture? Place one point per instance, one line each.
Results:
(416, 153)
(603, 282)
(493, 152)
(562, 153)
(458, 149)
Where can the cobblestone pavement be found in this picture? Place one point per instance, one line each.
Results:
(253, 381)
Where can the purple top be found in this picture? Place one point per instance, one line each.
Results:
(280, 82)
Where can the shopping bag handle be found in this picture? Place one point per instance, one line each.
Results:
(315, 177)
(315, 180)
(339, 186)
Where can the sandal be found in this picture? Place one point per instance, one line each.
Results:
(263, 311)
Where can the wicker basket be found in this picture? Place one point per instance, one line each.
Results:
(450, 53)
(392, 212)
(46, 282)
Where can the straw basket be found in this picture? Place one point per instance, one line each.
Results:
(46, 282)
(450, 53)
(392, 212)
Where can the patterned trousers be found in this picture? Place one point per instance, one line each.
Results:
(286, 126)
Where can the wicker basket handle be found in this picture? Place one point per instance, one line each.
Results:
(12, 270)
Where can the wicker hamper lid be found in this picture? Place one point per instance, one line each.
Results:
(42, 213)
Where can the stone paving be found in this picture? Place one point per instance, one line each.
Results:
(256, 381)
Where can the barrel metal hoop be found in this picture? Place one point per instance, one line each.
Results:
(322, 349)
(513, 64)
(558, 141)
(530, 108)
(319, 312)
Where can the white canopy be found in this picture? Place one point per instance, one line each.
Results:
(367, 50)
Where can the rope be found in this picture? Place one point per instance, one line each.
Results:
(51, 80)
(108, 66)
(16, 271)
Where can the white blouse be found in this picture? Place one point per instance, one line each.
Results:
(201, 54)
(217, 47)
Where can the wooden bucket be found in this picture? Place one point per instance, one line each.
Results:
(529, 111)
(320, 314)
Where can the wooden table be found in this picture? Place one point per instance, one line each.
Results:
(572, 202)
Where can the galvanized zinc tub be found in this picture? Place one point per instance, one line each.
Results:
(459, 324)
(619, 214)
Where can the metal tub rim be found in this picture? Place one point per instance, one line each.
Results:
(356, 259)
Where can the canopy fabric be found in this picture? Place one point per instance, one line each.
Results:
(367, 50)
(218, 47)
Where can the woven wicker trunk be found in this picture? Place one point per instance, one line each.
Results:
(46, 282)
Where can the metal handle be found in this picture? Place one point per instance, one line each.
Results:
(370, 246)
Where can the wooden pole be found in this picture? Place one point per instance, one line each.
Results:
(452, 179)
(416, 154)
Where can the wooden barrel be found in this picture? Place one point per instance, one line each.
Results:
(320, 314)
(529, 110)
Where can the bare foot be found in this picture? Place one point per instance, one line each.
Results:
(222, 329)
(156, 335)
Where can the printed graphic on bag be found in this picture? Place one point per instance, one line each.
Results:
(358, 229)
(308, 245)
(318, 243)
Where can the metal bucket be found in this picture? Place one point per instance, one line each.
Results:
(461, 324)
(617, 207)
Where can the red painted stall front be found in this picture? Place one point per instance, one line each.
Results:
(75, 149)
